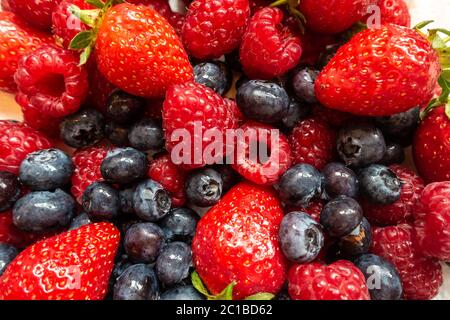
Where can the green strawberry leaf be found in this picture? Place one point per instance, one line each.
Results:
(261, 296)
(96, 3)
(88, 17)
(226, 294)
(447, 111)
(84, 56)
(82, 40)
(198, 284)
(423, 24)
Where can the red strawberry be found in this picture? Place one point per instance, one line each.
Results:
(37, 12)
(338, 281)
(214, 27)
(391, 11)
(237, 240)
(421, 277)
(380, 72)
(268, 48)
(17, 39)
(17, 140)
(75, 265)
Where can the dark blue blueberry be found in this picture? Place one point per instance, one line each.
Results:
(359, 145)
(204, 187)
(117, 134)
(394, 154)
(263, 101)
(7, 254)
(46, 170)
(381, 276)
(379, 184)
(123, 107)
(83, 129)
(101, 201)
(80, 220)
(137, 282)
(299, 185)
(341, 216)
(43, 210)
(296, 113)
(358, 241)
(124, 166)
(151, 201)
(229, 176)
(182, 293)
(302, 83)
(301, 237)
(9, 190)
(400, 127)
(180, 224)
(143, 242)
(214, 75)
(172, 265)
(339, 180)
(146, 134)
(126, 200)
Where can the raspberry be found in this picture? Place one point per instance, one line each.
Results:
(338, 281)
(170, 176)
(421, 277)
(268, 48)
(313, 142)
(213, 28)
(52, 80)
(264, 172)
(17, 140)
(36, 12)
(432, 224)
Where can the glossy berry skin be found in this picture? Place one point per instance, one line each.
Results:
(341, 216)
(158, 60)
(338, 281)
(151, 201)
(123, 108)
(173, 263)
(301, 237)
(380, 185)
(268, 48)
(394, 154)
(7, 254)
(46, 169)
(124, 165)
(393, 11)
(381, 272)
(359, 145)
(214, 28)
(143, 242)
(421, 277)
(101, 201)
(43, 267)
(242, 226)
(215, 75)
(204, 187)
(312, 141)
(12, 235)
(400, 127)
(393, 87)
(180, 224)
(79, 221)
(83, 128)
(146, 134)
(297, 112)
(9, 190)
(229, 176)
(358, 241)
(126, 200)
(36, 12)
(302, 83)
(181, 293)
(137, 282)
(340, 180)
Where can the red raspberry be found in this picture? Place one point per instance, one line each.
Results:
(262, 172)
(403, 208)
(36, 12)
(432, 224)
(268, 48)
(170, 176)
(393, 11)
(17, 140)
(312, 141)
(213, 28)
(334, 118)
(99, 88)
(52, 80)
(421, 277)
(87, 164)
(338, 281)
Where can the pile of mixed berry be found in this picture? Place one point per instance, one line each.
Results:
(94, 203)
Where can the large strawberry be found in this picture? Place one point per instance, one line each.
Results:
(75, 265)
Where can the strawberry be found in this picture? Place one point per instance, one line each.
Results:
(75, 265)
(236, 243)
(37, 12)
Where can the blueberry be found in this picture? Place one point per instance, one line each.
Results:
(263, 101)
(81, 220)
(143, 242)
(299, 185)
(400, 127)
(340, 180)
(123, 107)
(43, 210)
(301, 237)
(146, 134)
(214, 75)
(83, 129)
(229, 176)
(7, 254)
(297, 112)
(101, 201)
(9, 190)
(358, 241)
(137, 282)
(394, 154)
(180, 224)
(117, 134)
(151, 201)
(46, 169)
(123, 166)
(120, 267)
(302, 83)
(341, 216)
(182, 293)
(204, 187)
(126, 200)
(172, 265)
(359, 145)
(381, 276)
(380, 185)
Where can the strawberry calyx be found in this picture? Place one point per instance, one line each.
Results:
(292, 7)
